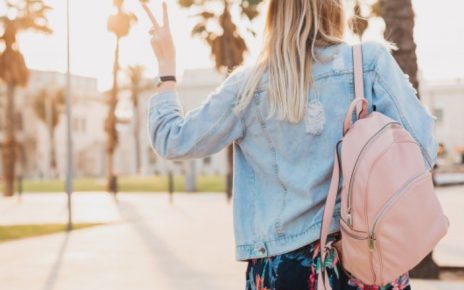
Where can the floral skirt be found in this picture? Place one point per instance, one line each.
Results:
(297, 270)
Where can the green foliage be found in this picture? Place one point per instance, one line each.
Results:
(159, 183)
(227, 46)
(28, 15)
(362, 12)
(8, 233)
(41, 102)
(18, 16)
(13, 69)
(121, 22)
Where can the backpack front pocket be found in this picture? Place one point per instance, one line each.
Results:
(404, 231)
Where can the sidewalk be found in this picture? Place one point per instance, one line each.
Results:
(452, 178)
(150, 244)
(153, 245)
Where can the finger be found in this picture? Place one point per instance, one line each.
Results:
(158, 51)
(155, 37)
(152, 31)
(150, 15)
(165, 14)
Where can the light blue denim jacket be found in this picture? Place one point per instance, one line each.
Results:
(281, 172)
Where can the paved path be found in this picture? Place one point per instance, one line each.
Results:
(150, 244)
(153, 245)
(449, 178)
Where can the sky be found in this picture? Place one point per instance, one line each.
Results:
(439, 34)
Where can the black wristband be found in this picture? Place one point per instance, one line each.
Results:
(168, 78)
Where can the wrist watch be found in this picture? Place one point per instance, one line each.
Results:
(160, 79)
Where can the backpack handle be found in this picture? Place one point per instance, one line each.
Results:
(355, 104)
(359, 103)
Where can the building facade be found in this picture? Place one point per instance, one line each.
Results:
(33, 134)
(89, 112)
(445, 101)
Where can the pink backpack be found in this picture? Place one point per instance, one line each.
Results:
(390, 216)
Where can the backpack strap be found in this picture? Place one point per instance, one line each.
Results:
(360, 103)
(358, 72)
(323, 283)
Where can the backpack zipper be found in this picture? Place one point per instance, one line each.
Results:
(390, 202)
(353, 235)
(349, 217)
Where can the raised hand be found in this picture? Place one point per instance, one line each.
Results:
(162, 42)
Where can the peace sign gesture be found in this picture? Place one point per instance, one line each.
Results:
(162, 42)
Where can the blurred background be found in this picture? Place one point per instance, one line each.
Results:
(87, 204)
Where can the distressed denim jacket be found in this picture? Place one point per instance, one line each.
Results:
(282, 172)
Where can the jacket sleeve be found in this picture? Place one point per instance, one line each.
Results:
(203, 131)
(395, 97)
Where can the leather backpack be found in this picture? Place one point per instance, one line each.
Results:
(390, 216)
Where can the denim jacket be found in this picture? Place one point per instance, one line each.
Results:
(281, 172)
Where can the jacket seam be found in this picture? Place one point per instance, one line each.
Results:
(240, 117)
(213, 128)
(387, 89)
(290, 237)
(254, 189)
(395, 101)
(275, 167)
(340, 73)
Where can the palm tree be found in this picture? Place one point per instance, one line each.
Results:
(227, 46)
(119, 24)
(28, 15)
(47, 108)
(357, 23)
(135, 75)
(136, 86)
(399, 20)
(398, 16)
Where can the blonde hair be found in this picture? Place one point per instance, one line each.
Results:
(292, 32)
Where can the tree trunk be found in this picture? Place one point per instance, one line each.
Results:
(51, 111)
(137, 133)
(111, 123)
(230, 166)
(399, 20)
(10, 142)
(53, 154)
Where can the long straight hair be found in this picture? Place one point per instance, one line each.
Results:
(293, 30)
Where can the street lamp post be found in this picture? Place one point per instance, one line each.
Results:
(69, 169)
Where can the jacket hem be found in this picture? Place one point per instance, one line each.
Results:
(285, 244)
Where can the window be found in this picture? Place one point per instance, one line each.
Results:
(439, 114)
(75, 124)
(207, 160)
(79, 124)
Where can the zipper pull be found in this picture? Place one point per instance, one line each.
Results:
(349, 220)
(371, 242)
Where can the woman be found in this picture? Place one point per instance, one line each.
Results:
(284, 115)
